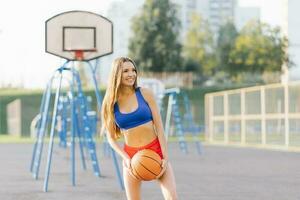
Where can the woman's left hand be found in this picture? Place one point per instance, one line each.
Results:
(164, 166)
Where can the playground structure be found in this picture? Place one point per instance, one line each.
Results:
(179, 114)
(70, 112)
(176, 114)
(83, 36)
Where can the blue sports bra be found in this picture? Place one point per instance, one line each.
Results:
(140, 116)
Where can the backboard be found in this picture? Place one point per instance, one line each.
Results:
(79, 35)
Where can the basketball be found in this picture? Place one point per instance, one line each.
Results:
(146, 165)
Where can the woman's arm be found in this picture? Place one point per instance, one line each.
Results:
(116, 147)
(113, 143)
(150, 98)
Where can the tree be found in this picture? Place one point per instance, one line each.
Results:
(225, 43)
(154, 43)
(199, 46)
(258, 49)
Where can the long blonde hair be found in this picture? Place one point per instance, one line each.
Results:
(111, 96)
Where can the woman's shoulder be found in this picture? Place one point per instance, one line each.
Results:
(147, 93)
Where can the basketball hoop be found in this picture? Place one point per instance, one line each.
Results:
(79, 55)
(79, 36)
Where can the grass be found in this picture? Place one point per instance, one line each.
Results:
(9, 139)
(15, 139)
(294, 146)
(19, 91)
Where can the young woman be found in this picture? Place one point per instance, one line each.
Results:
(132, 112)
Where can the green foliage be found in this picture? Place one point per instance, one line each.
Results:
(258, 49)
(154, 44)
(256, 54)
(30, 102)
(225, 43)
(199, 46)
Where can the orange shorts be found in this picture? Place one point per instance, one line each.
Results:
(154, 146)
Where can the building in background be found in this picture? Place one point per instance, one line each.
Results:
(185, 9)
(291, 28)
(220, 11)
(245, 14)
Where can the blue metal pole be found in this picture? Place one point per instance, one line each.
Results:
(78, 107)
(39, 126)
(41, 132)
(99, 102)
(73, 128)
(117, 169)
(178, 124)
(52, 133)
(191, 124)
(79, 135)
(97, 91)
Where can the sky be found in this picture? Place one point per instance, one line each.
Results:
(24, 61)
(22, 47)
(271, 10)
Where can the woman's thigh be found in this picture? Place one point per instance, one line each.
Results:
(167, 184)
(132, 185)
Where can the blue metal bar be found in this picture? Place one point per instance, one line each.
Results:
(42, 128)
(99, 103)
(41, 132)
(79, 135)
(87, 130)
(178, 124)
(73, 128)
(39, 126)
(191, 126)
(117, 169)
(52, 134)
(97, 90)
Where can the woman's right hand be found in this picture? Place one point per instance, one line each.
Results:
(127, 163)
(164, 166)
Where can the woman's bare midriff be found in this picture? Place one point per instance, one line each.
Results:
(140, 135)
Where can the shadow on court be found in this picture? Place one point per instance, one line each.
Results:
(223, 173)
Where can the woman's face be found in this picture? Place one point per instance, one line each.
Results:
(128, 74)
